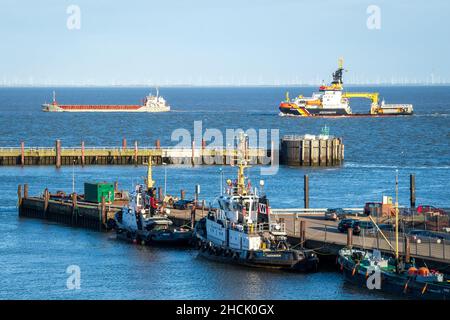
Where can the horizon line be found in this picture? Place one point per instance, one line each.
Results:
(249, 85)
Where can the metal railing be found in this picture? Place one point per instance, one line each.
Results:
(296, 211)
(326, 235)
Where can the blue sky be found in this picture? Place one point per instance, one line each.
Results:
(208, 42)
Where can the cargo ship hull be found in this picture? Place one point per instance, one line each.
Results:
(98, 108)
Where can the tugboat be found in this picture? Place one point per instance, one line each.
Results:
(238, 230)
(398, 275)
(143, 222)
(332, 101)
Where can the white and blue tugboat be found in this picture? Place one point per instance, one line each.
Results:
(238, 229)
(142, 221)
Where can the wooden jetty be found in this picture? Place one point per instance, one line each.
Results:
(70, 211)
(295, 151)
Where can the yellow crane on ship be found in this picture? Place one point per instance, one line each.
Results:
(373, 96)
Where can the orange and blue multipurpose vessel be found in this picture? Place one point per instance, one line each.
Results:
(332, 101)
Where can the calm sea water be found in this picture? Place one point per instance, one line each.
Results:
(34, 254)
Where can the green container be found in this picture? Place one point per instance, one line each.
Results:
(93, 192)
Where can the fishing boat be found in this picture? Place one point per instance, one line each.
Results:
(142, 221)
(333, 101)
(394, 275)
(238, 229)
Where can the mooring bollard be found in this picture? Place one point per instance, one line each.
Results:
(306, 190)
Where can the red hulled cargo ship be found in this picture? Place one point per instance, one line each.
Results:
(151, 103)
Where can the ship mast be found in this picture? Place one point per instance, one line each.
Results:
(242, 158)
(396, 214)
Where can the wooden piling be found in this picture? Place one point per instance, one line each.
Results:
(73, 219)
(25, 191)
(349, 237)
(306, 190)
(19, 195)
(22, 153)
(135, 152)
(58, 153)
(194, 208)
(82, 153)
(46, 199)
(158, 144)
(102, 219)
(412, 190)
